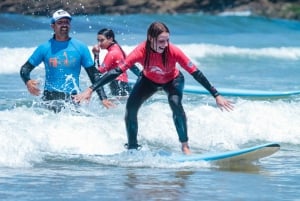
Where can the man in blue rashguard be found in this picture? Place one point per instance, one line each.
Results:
(63, 57)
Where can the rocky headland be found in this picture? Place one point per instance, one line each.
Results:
(286, 9)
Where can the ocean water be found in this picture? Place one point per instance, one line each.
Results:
(66, 156)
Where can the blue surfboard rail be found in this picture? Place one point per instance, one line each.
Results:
(221, 155)
(198, 89)
(191, 89)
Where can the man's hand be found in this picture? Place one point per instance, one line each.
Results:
(33, 87)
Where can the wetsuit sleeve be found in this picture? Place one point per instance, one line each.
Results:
(198, 75)
(96, 60)
(94, 75)
(136, 56)
(135, 70)
(25, 71)
(106, 78)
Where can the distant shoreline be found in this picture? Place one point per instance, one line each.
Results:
(288, 9)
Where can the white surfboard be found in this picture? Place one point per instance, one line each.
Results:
(245, 155)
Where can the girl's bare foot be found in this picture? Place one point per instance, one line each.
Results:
(185, 148)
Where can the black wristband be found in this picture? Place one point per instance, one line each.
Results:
(198, 75)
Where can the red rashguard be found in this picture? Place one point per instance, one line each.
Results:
(112, 60)
(156, 71)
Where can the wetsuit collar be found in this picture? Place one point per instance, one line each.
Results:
(110, 45)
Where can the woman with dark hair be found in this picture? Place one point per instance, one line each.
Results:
(158, 57)
(114, 56)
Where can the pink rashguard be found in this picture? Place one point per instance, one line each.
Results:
(112, 60)
(156, 71)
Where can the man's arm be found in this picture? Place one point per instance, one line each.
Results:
(25, 71)
(32, 85)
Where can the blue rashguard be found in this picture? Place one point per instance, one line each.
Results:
(63, 61)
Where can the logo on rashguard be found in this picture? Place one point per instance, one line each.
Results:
(157, 70)
(53, 62)
(62, 60)
(190, 64)
(66, 61)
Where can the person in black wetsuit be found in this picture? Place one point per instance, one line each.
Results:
(114, 56)
(159, 58)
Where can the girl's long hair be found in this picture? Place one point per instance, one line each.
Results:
(108, 33)
(154, 30)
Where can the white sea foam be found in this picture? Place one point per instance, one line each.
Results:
(27, 135)
(13, 58)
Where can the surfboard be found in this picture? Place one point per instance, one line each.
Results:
(191, 89)
(246, 155)
(198, 89)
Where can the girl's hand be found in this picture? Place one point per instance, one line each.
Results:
(84, 96)
(96, 50)
(223, 103)
(108, 104)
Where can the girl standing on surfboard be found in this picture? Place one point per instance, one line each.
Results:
(115, 55)
(158, 57)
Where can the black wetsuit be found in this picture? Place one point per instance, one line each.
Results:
(144, 89)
